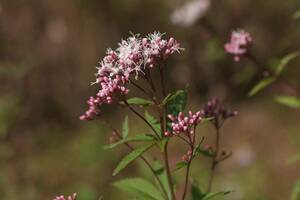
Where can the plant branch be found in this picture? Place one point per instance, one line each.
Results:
(192, 144)
(141, 89)
(215, 161)
(141, 157)
(261, 68)
(143, 118)
(169, 176)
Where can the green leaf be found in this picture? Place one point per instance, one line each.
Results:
(131, 157)
(261, 85)
(162, 175)
(180, 165)
(125, 128)
(212, 195)
(296, 15)
(285, 60)
(296, 191)
(176, 102)
(134, 138)
(205, 152)
(139, 102)
(290, 101)
(153, 121)
(163, 143)
(197, 194)
(137, 186)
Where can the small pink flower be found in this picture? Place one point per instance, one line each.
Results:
(238, 44)
(184, 124)
(73, 197)
(132, 56)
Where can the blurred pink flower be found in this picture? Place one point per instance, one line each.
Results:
(239, 43)
(189, 13)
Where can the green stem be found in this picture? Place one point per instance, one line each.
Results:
(215, 161)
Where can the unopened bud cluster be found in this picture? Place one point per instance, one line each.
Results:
(184, 124)
(239, 44)
(213, 109)
(133, 55)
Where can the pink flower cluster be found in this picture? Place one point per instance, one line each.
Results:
(184, 124)
(132, 56)
(238, 44)
(73, 197)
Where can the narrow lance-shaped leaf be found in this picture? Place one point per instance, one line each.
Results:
(139, 101)
(125, 128)
(153, 121)
(138, 186)
(162, 175)
(290, 101)
(212, 195)
(261, 85)
(134, 138)
(285, 60)
(131, 157)
(180, 165)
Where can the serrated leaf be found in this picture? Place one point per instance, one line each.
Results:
(296, 191)
(166, 99)
(212, 195)
(176, 102)
(290, 101)
(261, 85)
(153, 121)
(131, 157)
(134, 138)
(125, 129)
(137, 186)
(285, 60)
(139, 101)
(296, 15)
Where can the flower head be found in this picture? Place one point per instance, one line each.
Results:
(132, 56)
(73, 197)
(215, 110)
(184, 124)
(238, 44)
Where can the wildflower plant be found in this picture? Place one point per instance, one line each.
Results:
(239, 46)
(136, 60)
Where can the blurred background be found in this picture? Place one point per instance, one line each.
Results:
(48, 53)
